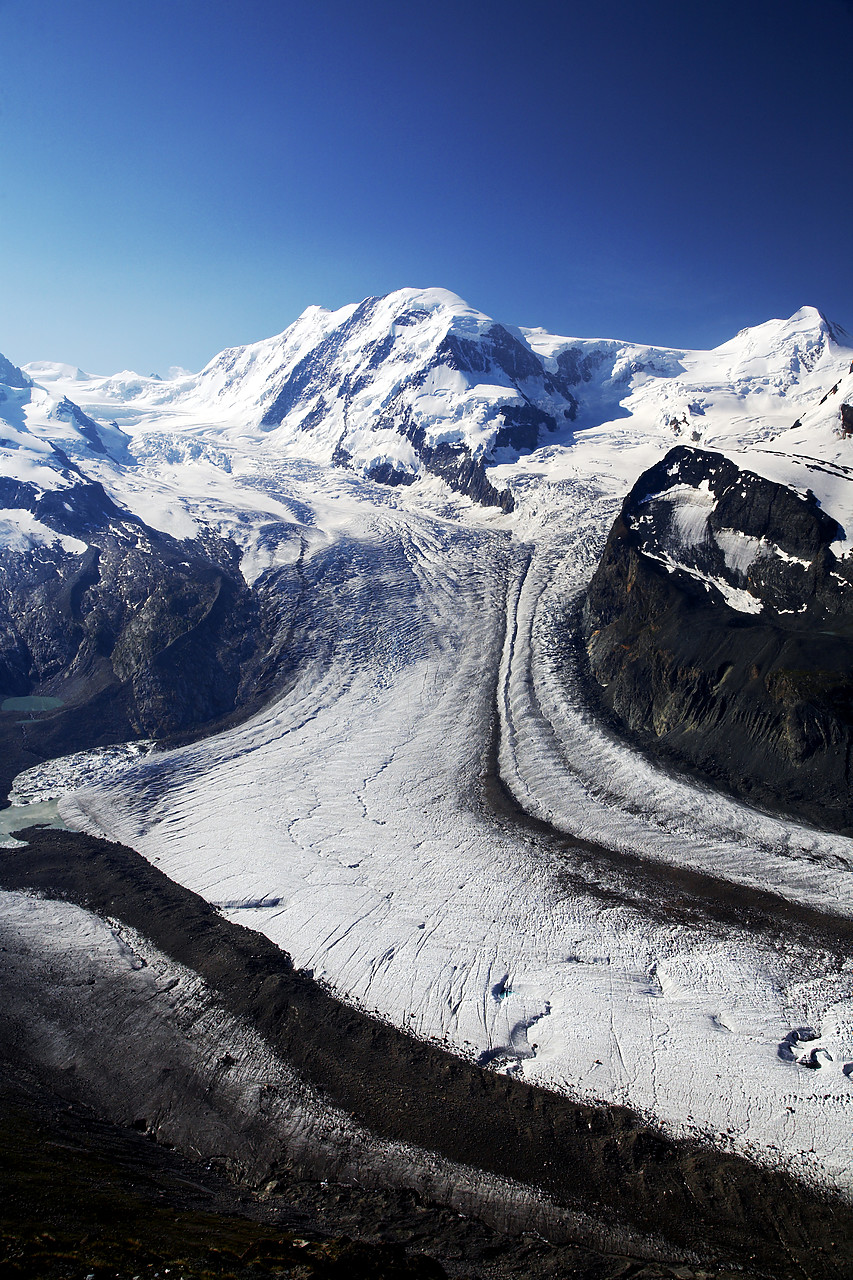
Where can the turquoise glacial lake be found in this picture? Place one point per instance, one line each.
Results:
(32, 703)
(43, 814)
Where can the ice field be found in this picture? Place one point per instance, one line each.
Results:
(353, 823)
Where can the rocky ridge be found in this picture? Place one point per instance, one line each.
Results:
(127, 631)
(719, 629)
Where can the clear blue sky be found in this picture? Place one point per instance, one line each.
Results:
(179, 176)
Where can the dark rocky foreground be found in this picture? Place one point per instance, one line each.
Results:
(760, 702)
(708, 1212)
(83, 1197)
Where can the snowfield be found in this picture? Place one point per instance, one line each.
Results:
(373, 821)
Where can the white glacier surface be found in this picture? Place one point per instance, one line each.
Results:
(347, 822)
(428, 816)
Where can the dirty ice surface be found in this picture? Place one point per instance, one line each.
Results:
(35, 794)
(94, 997)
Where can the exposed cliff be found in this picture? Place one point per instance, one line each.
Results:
(129, 631)
(719, 629)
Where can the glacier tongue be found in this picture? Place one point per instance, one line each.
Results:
(351, 822)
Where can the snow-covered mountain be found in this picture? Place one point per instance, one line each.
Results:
(356, 551)
(418, 384)
(416, 393)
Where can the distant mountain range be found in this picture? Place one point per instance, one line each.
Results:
(418, 384)
(138, 511)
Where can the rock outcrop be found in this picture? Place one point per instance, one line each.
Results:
(719, 631)
(12, 376)
(130, 631)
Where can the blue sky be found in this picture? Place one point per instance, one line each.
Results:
(177, 176)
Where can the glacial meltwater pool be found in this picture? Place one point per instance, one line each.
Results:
(33, 702)
(44, 813)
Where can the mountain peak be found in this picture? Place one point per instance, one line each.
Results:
(811, 318)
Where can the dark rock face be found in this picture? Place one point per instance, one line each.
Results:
(719, 630)
(499, 349)
(68, 411)
(577, 366)
(385, 473)
(847, 419)
(75, 511)
(12, 376)
(138, 634)
(522, 428)
(460, 471)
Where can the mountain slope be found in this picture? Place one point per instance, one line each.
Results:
(416, 382)
(415, 390)
(419, 384)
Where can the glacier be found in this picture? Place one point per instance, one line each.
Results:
(428, 816)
